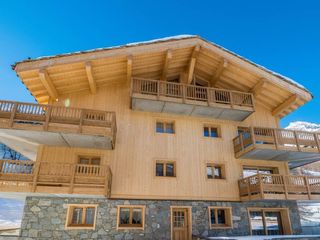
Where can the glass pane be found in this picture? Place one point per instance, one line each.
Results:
(217, 172)
(214, 133)
(206, 132)
(221, 216)
(170, 170)
(160, 127)
(247, 172)
(76, 216)
(159, 169)
(84, 160)
(136, 216)
(273, 223)
(124, 216)
(265, 171)
(169, 128)
(95, 161)
(178, 219)
(212, 216)
(90, 215)
(209, 172)
(257, 223)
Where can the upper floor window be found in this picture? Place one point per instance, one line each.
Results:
(211, 131)
(253, 170)
(220, 217)
(89, 160)
(164, 127)
(130, 217)
(165, 169)
(215, 171)
(81, 216)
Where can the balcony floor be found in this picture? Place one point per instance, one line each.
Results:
(142, 102)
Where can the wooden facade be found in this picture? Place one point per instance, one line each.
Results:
(114, 81)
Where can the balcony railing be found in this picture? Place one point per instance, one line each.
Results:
(196, 100)
(54, 177)
(192, 92)
(280, 141)
(53, 118)
(275, 186)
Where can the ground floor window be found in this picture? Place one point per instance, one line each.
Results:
(220, 217)
(81, 216)
(269, 221)
(130, 217)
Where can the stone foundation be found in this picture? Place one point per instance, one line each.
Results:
(44, 218)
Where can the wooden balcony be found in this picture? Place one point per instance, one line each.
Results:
(57, 125)
(275, 186)
(161, 96)
(297, 147)
(57, 178)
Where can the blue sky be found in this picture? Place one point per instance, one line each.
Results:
(281, 35)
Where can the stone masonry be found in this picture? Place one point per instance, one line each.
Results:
(44, 218)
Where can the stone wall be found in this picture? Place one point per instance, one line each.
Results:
(44, 218)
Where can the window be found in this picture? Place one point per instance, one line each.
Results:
(215, 171)
(89, 160)
(211, 131)
(268, 221)
(81, 216)
(165, 169)
(130, 217)
(165, 127)
(220, 217)
(253, 170)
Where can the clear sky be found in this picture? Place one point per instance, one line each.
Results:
(283, 36)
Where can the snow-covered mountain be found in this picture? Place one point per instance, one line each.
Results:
(304, 126)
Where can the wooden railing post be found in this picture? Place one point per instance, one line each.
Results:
(260, 179)
(35, 175)
(305, 178)
(285, 186)
(241, 141)
(48, 115)
(297, 140)
(231, 99)
(13, 113)
(158, 89)
(317, 141)
(73, 173)
(253, 138)
(274, 132)
(81, 121)
(208, 96)
(184, 93)
(248, 188)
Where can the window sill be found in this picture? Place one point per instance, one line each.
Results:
(80, 227)
(220, 226)
(130, 228)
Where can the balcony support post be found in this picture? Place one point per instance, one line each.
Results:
(253, 138)
(274, 132)
(317, 141)
(158, 90)
(81, 121)
(73, 173)
(285, 186)
(248, 188)
(13, 114)
(297, 141)
(261, 186)
(48, 114)
(35, 176)
(305, 178)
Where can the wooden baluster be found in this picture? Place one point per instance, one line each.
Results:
(36, 171)
(306, 182)
(13, 113)
(284, 178)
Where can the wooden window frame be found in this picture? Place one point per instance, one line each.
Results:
(71, 207)
(285, 218)
(165, 162)
(131, 226)
(213, 165)
(210, 126)
(228, 217)
(90, 157)
(165, 122)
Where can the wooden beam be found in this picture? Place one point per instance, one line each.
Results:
(258, 87)
(166, 65)
(92, 82)
(192, 63)
(129, 68)
(286, 104)
(47, 83)
(216, 76)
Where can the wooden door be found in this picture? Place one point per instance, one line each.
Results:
(180, 224)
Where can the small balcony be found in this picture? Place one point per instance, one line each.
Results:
(56, 125)
(59, 178)
(275, 186)
(297, 147)
(177, 98)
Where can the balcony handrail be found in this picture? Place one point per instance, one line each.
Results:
(187, 91)
(45, 114)
(277, 137)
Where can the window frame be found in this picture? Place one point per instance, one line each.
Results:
(214, 165)
(71, 207)
(210, 126)
(228, 217)
(131, 226)
(165, 162)
(90, 157)
(165, 123)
